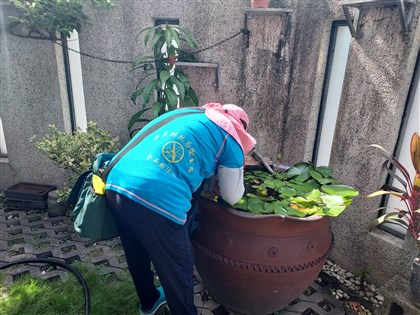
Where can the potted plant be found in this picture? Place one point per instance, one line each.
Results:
(408, 216)
(74, 152)
(158, 72)
(260, 4)
(46, 19)
(272, 244)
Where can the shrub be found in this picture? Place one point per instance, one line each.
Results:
(76, 151)
(43, 19)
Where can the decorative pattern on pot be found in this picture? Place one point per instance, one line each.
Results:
(257, 264)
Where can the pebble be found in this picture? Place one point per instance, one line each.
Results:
(369, 291)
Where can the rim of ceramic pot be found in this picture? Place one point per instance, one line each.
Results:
(259, 216)
(249, 215)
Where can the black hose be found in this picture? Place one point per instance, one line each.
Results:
(57, 262)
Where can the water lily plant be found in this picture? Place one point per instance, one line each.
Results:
(408, 216)
(302, 190)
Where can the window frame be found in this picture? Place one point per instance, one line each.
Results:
(327, 77)
(3, 146)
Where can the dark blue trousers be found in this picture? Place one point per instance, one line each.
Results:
(148, 237)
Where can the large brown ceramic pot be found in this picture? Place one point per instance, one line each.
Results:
(257, 264)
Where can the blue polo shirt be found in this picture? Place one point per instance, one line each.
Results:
(166, 167)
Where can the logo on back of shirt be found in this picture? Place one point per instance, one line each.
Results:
(173, 152)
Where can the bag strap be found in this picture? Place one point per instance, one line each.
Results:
(143, 135)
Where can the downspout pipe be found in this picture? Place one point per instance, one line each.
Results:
(66, 60)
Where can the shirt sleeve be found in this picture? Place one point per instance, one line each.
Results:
(231, 183)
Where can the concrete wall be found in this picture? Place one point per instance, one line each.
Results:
(378, 76)
(31, 97)
(277, 75)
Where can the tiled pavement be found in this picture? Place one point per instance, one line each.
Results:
(30, 234)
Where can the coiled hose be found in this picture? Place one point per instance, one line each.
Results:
(57, 262)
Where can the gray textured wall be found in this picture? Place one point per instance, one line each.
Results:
(376, 85)
(113, 35)
(30, 99)
(278, 79)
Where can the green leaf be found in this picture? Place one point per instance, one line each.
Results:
(311, 184)
(164, 75)
(184, 79)
(175, 36)
(241, 204)
(314, 195)
(297, 169)
(255, 205)
(287, 191)
(300, 187)
(295, 213)
(279, 208)
(168, 36)
(340, 190)
(304, 203)
(156, 108)
(319, 177)
(334, 205)
(148, 89)
(383, 192)
(396, 163)
(303, 176)
(188, 38)
(268, 208)
(273, 184)
(157, 41)
(150, 33)
(179, 86)
(393, 217)
(171, 98)
(325, 171)
(136, 94)
(136, 118)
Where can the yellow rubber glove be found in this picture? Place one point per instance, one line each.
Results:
(98, 185)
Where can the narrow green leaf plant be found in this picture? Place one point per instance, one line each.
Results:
(407, 216)
(159, 73)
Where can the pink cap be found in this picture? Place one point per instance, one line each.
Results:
(234, 121)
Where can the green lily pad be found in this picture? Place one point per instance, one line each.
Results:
(320, 178)
(334, 205)
(297, 169)
(340, 190)
(325, 171)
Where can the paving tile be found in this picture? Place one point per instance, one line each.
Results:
(31, 235)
